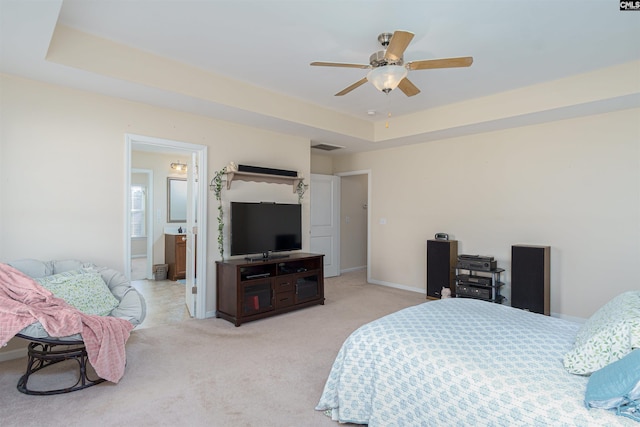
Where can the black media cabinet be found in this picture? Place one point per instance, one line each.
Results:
(479, 284)
(254, 289)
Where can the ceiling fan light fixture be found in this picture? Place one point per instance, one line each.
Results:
(387, 78)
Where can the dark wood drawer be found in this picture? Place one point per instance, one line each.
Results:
(284, 299)
(285, 285)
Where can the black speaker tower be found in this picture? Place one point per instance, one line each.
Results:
(442, 256)
(530, 278)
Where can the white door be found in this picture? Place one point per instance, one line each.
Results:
(325, 221)
(191, 235)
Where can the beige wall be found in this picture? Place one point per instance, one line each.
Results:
(572, 184)
(62, 170)
(321, 164)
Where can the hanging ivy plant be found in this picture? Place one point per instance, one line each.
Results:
(217, 191)
(301, 189)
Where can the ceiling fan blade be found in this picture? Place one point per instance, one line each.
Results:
(397, 45)
(408, 88)
(427, 64)
(352, 87)
(339, 64)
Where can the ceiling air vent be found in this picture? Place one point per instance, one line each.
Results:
(327, 147)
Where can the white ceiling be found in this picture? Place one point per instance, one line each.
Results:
(270, 43)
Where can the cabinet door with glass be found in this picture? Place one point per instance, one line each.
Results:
(307, 287)
(257, 297)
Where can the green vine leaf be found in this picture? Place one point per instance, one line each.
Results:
(217, 191)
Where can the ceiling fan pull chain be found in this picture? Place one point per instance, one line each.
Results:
(386, 125)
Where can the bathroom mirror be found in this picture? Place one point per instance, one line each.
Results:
(176, 200)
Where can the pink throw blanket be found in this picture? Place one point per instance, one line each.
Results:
(23, 302)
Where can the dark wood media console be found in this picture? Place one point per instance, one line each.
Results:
(251, 290)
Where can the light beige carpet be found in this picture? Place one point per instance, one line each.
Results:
(269, 372)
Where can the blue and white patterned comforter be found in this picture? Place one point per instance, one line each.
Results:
(459, 362)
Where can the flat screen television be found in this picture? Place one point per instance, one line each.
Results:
(261, 228)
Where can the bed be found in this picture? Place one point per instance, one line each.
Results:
(463, 362)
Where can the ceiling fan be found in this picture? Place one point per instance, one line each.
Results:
(388, 69)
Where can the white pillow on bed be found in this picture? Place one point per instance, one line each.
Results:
(610, 334)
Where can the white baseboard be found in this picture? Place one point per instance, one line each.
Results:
(349, 270)
(397, 286)
(13, 354)
(569, 318)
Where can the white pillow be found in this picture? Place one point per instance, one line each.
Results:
(610, 334)
(86, 292)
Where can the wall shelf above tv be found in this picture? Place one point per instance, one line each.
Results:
(262, 177)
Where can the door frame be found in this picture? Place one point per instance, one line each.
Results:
(166, 145)
(369, 179)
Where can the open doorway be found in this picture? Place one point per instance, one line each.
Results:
(355, 220)
(159, 224)
(340, 221)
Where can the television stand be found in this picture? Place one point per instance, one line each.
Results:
(254, 289)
